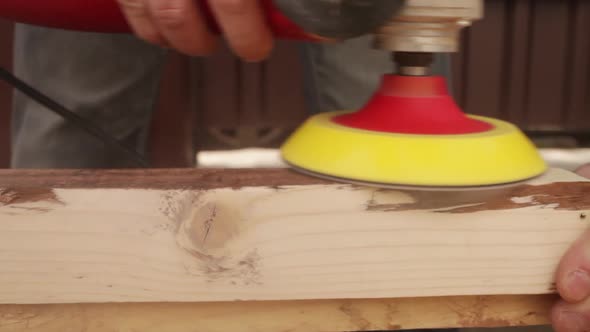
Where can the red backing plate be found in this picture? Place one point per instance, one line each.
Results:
(413, 105)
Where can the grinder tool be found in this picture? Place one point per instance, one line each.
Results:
(410, 133)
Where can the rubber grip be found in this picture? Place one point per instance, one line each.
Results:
(105, 16)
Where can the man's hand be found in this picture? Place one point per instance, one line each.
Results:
(179, 24)
(572, 313)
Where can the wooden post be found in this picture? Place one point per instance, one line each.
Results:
(6, 41)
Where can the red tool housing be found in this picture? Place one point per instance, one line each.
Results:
(105, 16)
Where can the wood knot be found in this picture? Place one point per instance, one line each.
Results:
(211, 222)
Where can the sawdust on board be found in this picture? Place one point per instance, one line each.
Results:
(12, 196)
(20, 200)
(572, 196)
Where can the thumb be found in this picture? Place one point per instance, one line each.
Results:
(573, 273)
(573, 283)
(566, 317)
(584, 171)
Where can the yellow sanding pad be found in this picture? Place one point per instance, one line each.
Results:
(500, 156)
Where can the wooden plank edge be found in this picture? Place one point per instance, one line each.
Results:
(163, 179)
(292, 316)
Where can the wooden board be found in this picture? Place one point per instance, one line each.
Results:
(280, 242)
(271, 250)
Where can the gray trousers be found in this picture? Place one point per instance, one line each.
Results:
(112, 80)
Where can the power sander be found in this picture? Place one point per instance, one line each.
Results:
(411, 133)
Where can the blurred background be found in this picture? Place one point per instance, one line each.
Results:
(527, 62)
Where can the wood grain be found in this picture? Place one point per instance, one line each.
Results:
(277, 241)
(284, 316)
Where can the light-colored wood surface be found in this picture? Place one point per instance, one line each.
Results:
(304, 316)
(299, 242)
